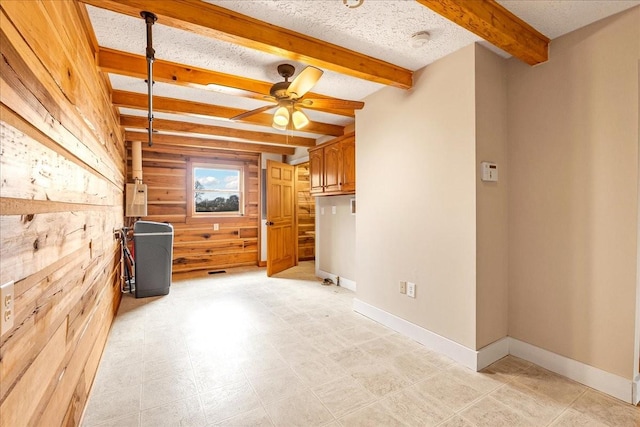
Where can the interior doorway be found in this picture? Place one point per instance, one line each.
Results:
(306, 214)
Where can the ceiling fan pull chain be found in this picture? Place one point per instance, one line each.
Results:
(150, 19)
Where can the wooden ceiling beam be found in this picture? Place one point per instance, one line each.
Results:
(223, 24)
(138, 122)
(494, 23)
(216, 144)
(178, 106)
(131, 65)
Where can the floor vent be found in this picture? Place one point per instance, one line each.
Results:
(217, 272)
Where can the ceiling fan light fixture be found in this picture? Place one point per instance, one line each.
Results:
(277, 126)
(281, 117)
(299, 119)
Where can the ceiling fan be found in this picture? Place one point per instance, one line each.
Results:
(288, 97)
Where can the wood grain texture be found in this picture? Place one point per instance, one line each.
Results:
(138, 101)
(129, 64)
(197, 246)
(494, 23)
(139, 122)
(306, 210)
(223, 24)
(62, 173)
(207, 143)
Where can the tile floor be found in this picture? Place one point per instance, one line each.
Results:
(241, 349)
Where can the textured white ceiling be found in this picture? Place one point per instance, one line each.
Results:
(379, 28)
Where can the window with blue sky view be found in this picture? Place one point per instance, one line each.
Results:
(217, 189)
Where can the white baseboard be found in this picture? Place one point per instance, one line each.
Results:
(598, 379)
(611, 384)
(461, 354)
(344, 282)
(492, 353)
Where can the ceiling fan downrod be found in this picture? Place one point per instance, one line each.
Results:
(150, 19)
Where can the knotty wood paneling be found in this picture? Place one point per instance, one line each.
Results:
(197, 246)
(62, 178)
(306, 214)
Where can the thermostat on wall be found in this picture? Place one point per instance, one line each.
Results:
(489, 171)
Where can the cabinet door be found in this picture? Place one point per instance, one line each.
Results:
(332, 168)
(316, 171)
(348, 147)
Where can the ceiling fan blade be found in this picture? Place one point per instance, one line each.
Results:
(252, 112)
(332, 103)
(304, 82)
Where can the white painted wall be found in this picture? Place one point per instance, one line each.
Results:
(336, 237)
(416, 220)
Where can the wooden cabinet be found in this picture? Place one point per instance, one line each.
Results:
(333, 167)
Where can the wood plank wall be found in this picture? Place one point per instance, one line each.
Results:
(197, 246)
(62, 178)
(306, 214)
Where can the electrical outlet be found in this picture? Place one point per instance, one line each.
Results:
(411, 290)
(403, 287)
(7, 312)
(216, 227)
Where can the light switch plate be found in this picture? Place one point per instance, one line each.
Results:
(411, 290)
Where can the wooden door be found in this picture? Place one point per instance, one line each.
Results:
(281, 227)
(316, 165)
(332, 168)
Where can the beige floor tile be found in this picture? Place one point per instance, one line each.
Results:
(488, 412)
(168, 389)
(350, 357)
(482, 382)
(277, 384)
(184, 413)
(414, 409)
(298, 351)
(572, 418)
(357, 334)
(112, 405)
(156, 369)
(448, 390)
(131, 420)
(408, 343)
(607, 410)
(507, 368)
(303, 410)
(318, 370)
(229, 401)
(456, 421)
(379, 378)
(436, 359)
(560, 389)
(343, 395)
(373, 415)
(413, 367)
(211, 373)
(328, 343)
(381, 348)
(212, 335)
(538, 408)
(116, 377)
(255, 418)
(262, 364)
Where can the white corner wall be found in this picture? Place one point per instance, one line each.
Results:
(336, 239)
(573, 196)
(416, 218)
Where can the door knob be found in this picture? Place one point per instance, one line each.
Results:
(269, 222)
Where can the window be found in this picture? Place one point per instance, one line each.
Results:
(216, 190)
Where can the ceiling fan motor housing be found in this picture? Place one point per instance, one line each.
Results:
(279, 90)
